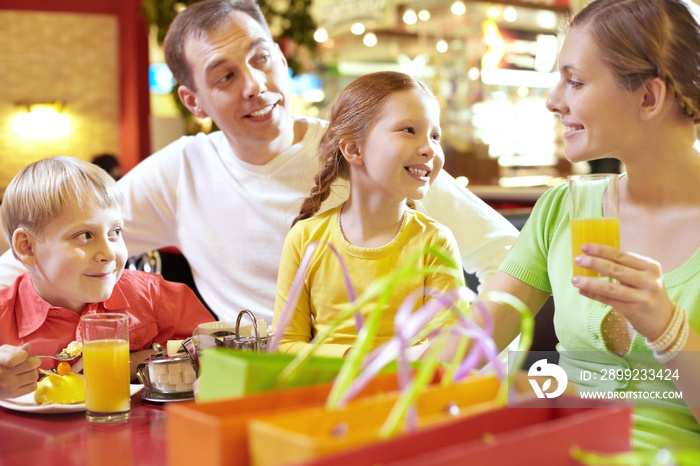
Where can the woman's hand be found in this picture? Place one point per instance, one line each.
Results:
(638, 292)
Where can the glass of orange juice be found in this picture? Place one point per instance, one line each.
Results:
(106, 367)
(593, 213)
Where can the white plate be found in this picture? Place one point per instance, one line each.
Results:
(26, 404)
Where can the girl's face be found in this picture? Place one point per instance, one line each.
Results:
(79, 257)
(401, 155)
(597, 113)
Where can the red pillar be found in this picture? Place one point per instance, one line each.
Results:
(134, 99)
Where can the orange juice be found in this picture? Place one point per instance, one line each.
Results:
(593, 230)
(106, 370)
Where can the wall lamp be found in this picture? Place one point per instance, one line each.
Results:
(41, 120)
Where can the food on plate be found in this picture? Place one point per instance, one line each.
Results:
(61, 388)
(74, 348)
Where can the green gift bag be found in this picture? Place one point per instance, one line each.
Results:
(228, 373)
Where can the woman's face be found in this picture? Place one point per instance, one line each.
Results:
(598, 114)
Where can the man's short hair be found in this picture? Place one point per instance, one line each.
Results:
(198, 20)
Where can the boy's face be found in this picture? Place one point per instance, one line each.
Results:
(79, 257)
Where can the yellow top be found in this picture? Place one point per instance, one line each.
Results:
(323, 295)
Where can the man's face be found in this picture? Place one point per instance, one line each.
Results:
(242, 83)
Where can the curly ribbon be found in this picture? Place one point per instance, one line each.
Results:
(378, 291)
(406, 326)
(527, 330)
(408, 396)
(483, 347)
(295, 292)
(410, 327)
(383, 288)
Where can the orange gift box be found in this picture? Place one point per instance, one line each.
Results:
(531, 433)
(305, 434)
(215, 432)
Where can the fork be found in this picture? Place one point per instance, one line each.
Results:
(59, 356)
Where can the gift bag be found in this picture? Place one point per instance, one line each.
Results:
(217, 428)
(215, 433)
(535, 432)
(227, 373)
(306, 434)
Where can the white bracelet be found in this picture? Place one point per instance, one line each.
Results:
(665, 356)
(670, 333)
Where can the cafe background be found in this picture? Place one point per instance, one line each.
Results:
(87, 78)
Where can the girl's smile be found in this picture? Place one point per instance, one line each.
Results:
(402, 148)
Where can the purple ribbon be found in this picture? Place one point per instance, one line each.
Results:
(295, 292)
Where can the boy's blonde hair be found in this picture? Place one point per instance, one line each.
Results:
(40, 190)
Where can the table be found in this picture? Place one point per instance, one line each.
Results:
(28, 439)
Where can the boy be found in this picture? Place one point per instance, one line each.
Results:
(62, 219)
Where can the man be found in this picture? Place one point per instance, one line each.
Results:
(226, 200)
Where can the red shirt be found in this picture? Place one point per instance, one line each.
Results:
(158, 310)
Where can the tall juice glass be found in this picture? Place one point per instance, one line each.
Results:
(593, 213)
(106, 367)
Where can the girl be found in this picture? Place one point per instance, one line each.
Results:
(384, 137)
(629, 89)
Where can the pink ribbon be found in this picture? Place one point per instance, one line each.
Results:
(295, 292)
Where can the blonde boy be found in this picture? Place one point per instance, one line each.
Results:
(62, 219)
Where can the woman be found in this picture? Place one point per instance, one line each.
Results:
(629, 89)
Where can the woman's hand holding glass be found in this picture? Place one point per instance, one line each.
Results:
(637, 290)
